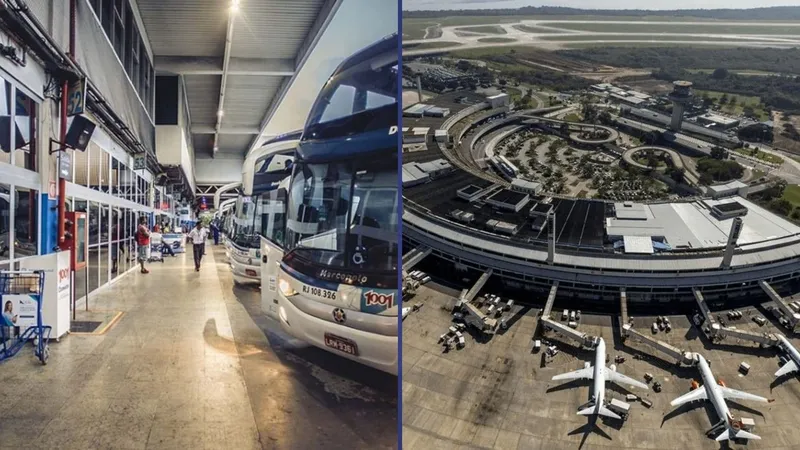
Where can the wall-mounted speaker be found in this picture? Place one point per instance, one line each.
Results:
(79, 133)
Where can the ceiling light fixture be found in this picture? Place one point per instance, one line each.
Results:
(220, 113)
(235, 6)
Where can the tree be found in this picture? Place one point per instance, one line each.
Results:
(780, 206)
(677, 175)
(719, 153)
(503, 82)
(733, 101)
(724, 99)
(707, 101)
(720, 73)
(604, 117)
(749, 111)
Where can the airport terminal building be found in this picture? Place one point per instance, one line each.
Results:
(658, 251)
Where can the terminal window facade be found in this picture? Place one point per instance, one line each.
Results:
(19, 203)
(119, 24)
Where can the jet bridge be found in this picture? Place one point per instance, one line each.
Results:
(674, 353)
(473, 291)
(717, 332)
(413, 257)
(628, 332)
(584, 340)
(713, 326)
(788, 313)
(551, 298)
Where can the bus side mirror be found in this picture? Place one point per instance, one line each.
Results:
(264, 259)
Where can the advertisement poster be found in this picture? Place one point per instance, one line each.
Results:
(19, 311)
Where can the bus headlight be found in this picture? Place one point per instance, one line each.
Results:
(286, 288)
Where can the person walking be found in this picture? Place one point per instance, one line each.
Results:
(215, 232)
(143, 242)
(198, 237)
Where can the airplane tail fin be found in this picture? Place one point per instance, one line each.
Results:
(603, 411)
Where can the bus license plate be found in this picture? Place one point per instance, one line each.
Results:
(321, 293)
(341, 344)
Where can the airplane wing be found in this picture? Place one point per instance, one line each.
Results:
(789, 367)
(586, 373)
(623, 379)
(697, 394)
(733, 394)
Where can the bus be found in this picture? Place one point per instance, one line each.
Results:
(337, 282)
(265, 177)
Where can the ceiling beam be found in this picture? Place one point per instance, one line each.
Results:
(226, 58)
(200, 65)
(210, 128)
(324, 18)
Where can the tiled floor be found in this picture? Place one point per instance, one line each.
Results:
(192, 364)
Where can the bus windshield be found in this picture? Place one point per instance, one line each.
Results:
(244, 225)
(271, 210)
(344, 214)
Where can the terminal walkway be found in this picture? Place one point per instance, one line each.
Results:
(192, 363)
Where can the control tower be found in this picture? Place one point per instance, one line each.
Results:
(681, 95)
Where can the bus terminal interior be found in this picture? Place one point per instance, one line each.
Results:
(116, 113)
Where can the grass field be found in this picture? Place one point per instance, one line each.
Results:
(424, 45)
(488, 29)
(496, 40)
(737, 72)
(580, 45)
(767, 157)
(741, 102)
(535, 29)
(572, 117)
(415, 28)
(792, 194)
(680, 28)
(628, 37)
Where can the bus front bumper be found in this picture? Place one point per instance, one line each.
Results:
(245, 273)
(373, 350)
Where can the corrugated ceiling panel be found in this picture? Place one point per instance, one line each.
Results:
(273, 29)
(185, 27)
(247, 99)
(234, 143)
(202, 92)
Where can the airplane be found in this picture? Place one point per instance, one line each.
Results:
(717, 393)
(793, 364)
(600, 374)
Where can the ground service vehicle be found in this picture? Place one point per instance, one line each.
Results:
(337, 281)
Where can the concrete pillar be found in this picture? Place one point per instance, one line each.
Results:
(551, 237)
(736, 229)
(419, 88)
(677, 116)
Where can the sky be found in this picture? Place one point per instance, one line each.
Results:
(595, 4)
(357, 24)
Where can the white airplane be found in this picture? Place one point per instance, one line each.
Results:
(600, 374)
(717, 394)
(793, 364)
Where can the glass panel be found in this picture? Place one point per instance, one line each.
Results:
(104, 245)
(80, 165)
(103, 179)
(5, 121)
(92, 276)
(5, 223)
(116, 218)
(95, 165)
(104, 237)
(26, 229)
(94, 224)
(25, 119)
